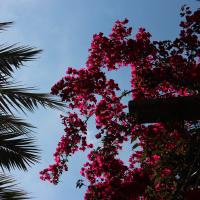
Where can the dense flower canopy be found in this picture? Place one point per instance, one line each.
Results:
(165, 157)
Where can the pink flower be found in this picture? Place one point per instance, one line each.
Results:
(166, 172)
(156, 157)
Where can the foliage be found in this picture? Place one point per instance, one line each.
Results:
(9, 191)
(166, 164)
(17, 145)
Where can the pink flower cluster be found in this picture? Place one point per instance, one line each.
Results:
(160, 69)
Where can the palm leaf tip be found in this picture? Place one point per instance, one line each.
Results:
(14, 56)
(24, 99)
(4, 25)
(48, 100)
(17, 152)
(9, 191)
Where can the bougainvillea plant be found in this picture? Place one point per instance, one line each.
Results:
(166, 164)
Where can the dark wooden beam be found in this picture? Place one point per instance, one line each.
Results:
(162, 110)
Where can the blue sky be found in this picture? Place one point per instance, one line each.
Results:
(64, 29)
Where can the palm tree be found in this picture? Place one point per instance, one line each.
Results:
(17, 145)
(8, 189)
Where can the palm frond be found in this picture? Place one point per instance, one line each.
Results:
(17, 152)
(23, 99)
(8, 189)
(4, 79)
(14, 56)
(4, 25)
(17, 148)
(14, 125)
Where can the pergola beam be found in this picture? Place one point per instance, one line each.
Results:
(162, 110)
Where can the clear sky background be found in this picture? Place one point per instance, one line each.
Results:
(64, 29)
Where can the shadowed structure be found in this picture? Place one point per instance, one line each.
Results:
(161, 110)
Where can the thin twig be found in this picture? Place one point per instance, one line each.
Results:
(126, 93)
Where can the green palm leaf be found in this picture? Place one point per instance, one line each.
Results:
(8, 189)
(13, 56)
(14, 125)
(20, 98)
(17, 147)
(4, 25)
(17, 151)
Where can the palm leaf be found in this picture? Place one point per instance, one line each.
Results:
(8, 189)
(20, 98)
(4, 25)
(14, 125)
(14, 56)
(17, 151)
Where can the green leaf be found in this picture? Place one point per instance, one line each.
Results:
(12, 57)
(4, 25)
(79, 183)
(14, 125)
(17, 151)
(135, 146)
(8, 189)
(19, 98)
